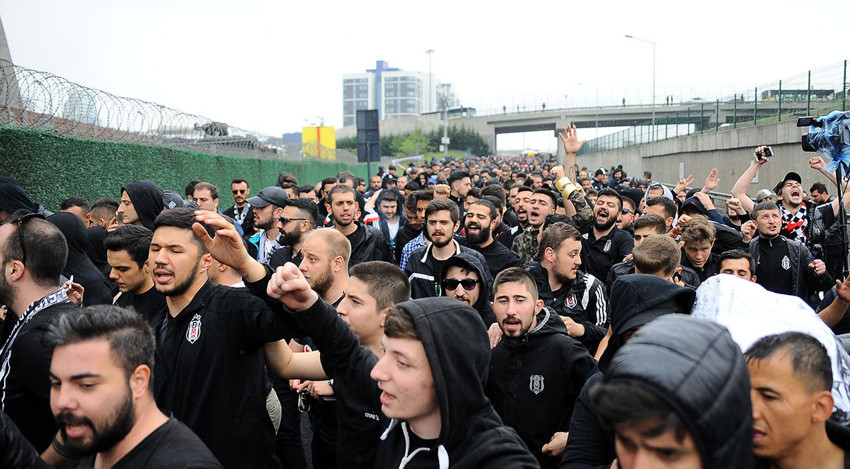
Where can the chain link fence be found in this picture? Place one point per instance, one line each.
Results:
(41, 100)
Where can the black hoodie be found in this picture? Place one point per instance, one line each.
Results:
(98, 290)
(147, 200)
(534, 383)
(482, 305)
(699, 371)
(471, 435)
(13, 197)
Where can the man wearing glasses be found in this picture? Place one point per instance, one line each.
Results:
(299, 218)
(468, 281)
(33, 254)
(241, 211)
(627, 215)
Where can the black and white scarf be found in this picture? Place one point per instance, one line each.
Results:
(794, 224)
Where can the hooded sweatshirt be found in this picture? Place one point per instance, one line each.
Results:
(534, 382)
(13, 197)
(471, 435)
(470, 262)
(700, 372)
(147, 200)
(98, 290)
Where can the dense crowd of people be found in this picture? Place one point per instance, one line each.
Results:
(484, 312)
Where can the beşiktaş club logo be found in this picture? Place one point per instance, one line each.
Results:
(535, 383)
(194, 330)
(571, 301)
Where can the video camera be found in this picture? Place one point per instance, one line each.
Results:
(828, 135)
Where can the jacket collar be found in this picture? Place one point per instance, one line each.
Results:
(430, 245)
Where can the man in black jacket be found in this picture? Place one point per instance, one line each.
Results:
(784, 265)
(481, 220)
(367, 243)
(241, 211)
(537, 370)
(127, 249)
(467, 280)
(33, 255)
(141, 203)
(209, 358)
(679, 387)
(604, 244)
(579, 298)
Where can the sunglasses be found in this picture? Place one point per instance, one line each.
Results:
(468, 284)
(20, 222)
(239, 191)
(285, 220)
(626, 211)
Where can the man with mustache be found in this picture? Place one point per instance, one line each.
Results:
(481, 220)
(101, 392)
(604, 244)
(541, 204)
(241, 211)
(442, 219)
(367, 243)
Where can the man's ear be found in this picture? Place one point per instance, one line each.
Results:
(139, 380)
(206, 261)
(822, 405)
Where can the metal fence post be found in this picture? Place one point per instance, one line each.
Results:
(701, 121)
(780, 101)
(717, 115)
(735, 113)
(844, 89)
(809, 96)
(677, 123)
(689, 121)
(756, 107)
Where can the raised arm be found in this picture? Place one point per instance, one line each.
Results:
(817, 163)
(739, 190)
(572, 145)
(227, 246)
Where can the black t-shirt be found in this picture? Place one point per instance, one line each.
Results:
(149, 304)
(498, 257)
(598, 255)
(172, 445)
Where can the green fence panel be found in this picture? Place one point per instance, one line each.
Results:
(52, 167)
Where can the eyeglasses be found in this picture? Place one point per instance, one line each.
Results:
(285, 220)
(626, 211)
(239, 191)
(20, 222)
(468, 284)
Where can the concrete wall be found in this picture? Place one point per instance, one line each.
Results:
(731, 152)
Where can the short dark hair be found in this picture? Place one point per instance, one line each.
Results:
(608, 192)
(524, 189)
(306, 188)
(474, 192)
(516, 275)
(809, 359)
(387, 282)
(818, 186)
(494, 191)
(208, 186)
(134, 239)
(288, 185)
(239, 181)
(499, 204)
(629, 402)
(47, 249)
(399, 324)
(509, 184)
(556, 234)
(456, 176)
(549, 194)
(306, 208)
(494, 212)
(657, 253)
(651, 220)
(75, 201)
(130, 338)
(190, 188)
(763, 205)
(667, 205)
(340, 188)
(345, 177)
(739, 254)
(183, 217)
(443, 203)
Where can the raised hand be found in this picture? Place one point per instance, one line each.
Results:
(569, 137)
(711, 182)
(289, 286)
(683, 184)
(227, 246)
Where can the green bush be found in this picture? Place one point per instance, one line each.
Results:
(52, 167)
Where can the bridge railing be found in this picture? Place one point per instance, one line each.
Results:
(41, 100)
(814, 93)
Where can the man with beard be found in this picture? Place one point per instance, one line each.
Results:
(460, 184)
(604, 244)
(367, 243)
(426, 263)
(127, 253)
(579, 298)
(423, 198)
(536, 371)
(33, 253)
(783, 265)
(241, 211)
(101, 395)
(210, 365)
(464, 280)
(541, 204)
(481, 220)
(298, 218)
(268, 207)
(413, 228)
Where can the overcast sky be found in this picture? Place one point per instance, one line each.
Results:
(273, 66)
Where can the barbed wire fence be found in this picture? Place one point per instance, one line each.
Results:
(40, 100)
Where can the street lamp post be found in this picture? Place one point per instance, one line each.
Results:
(653, 78)
(430, 104)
